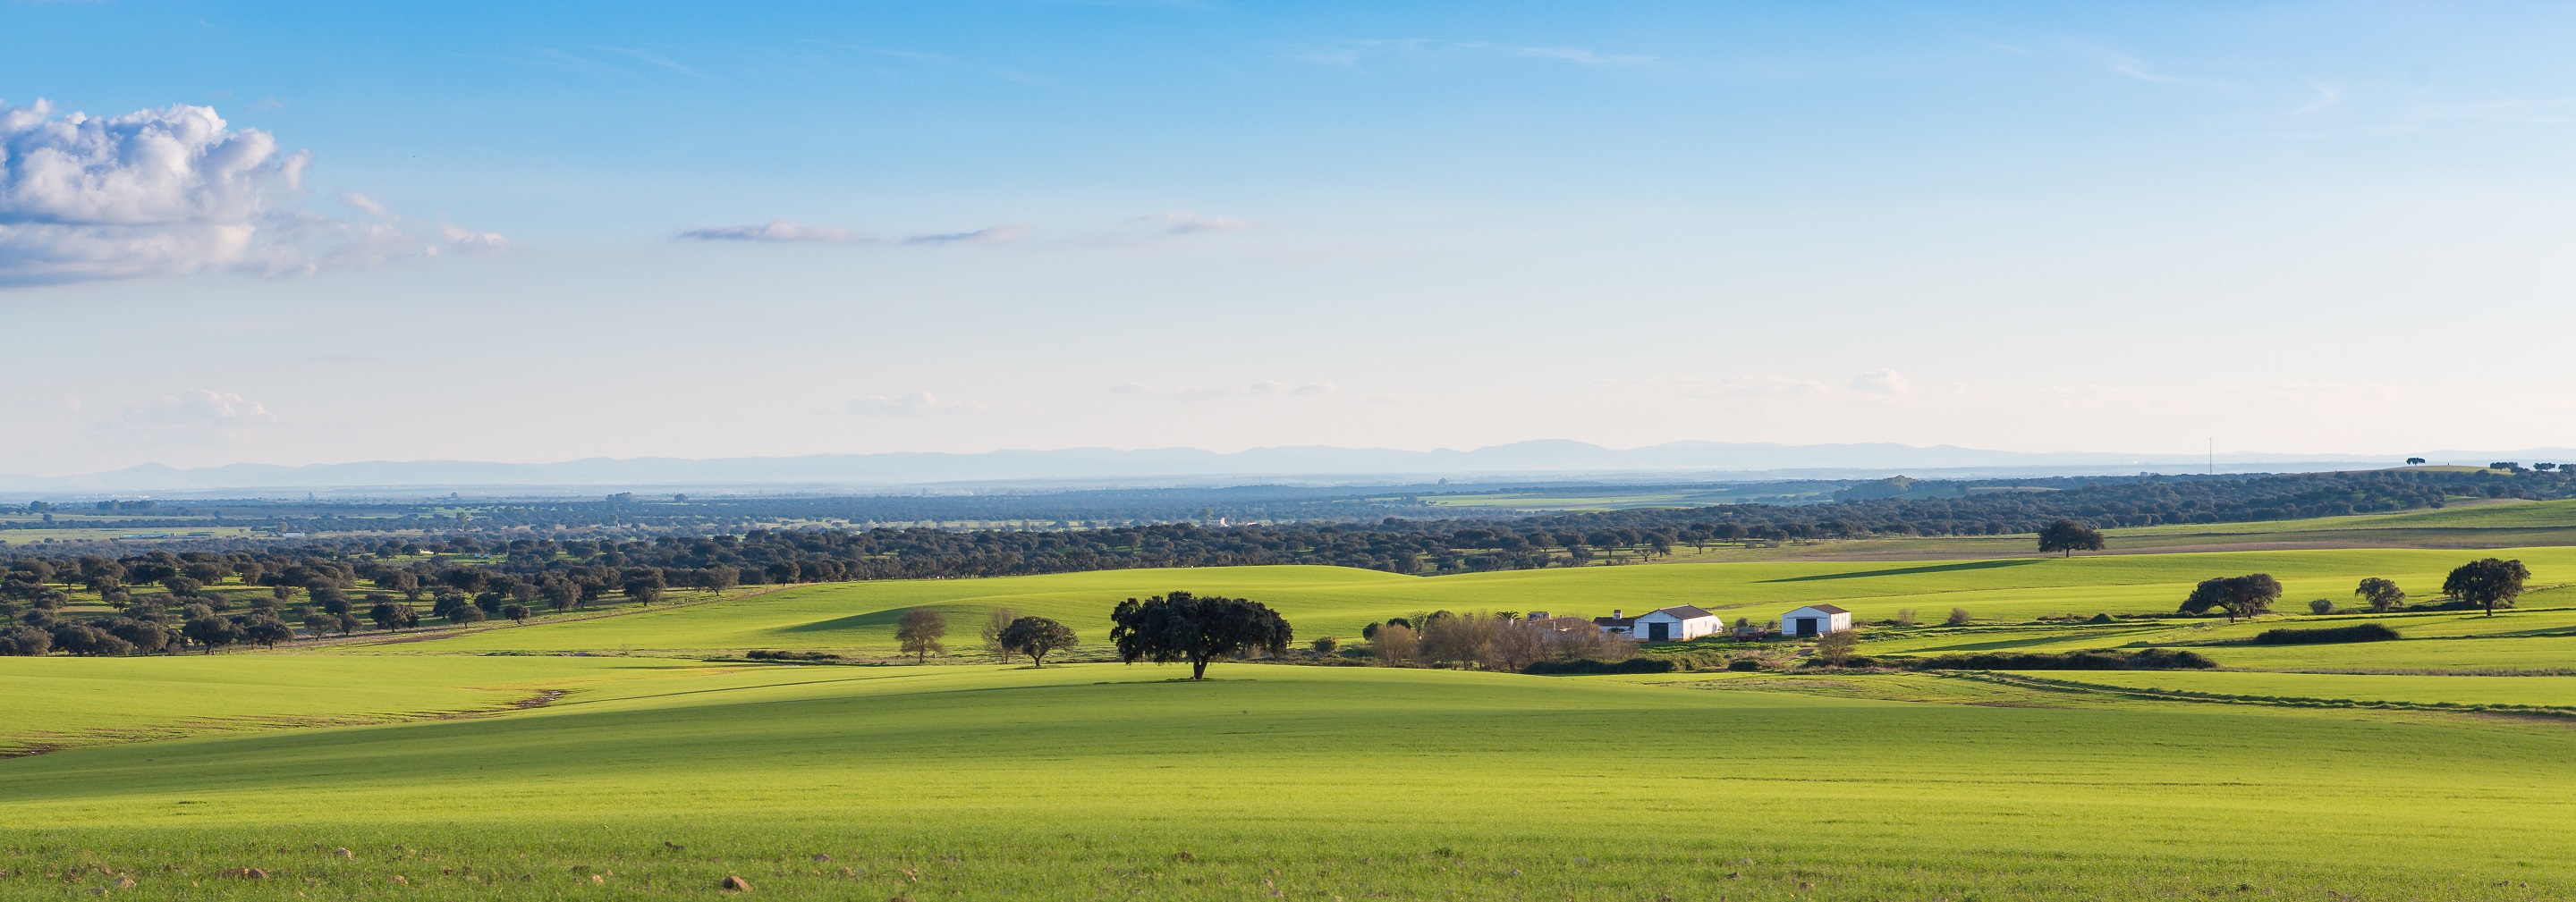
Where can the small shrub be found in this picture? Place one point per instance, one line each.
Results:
(2359, 632)
(1327, 645)
(2321, 606)
(2100, 618)
(1744, 664)
(766, 655)
(1904, 616)
(1959, 617)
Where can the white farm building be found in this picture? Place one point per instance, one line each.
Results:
(1681, 623)
(1815, 620)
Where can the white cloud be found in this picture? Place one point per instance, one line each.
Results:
(174, 191)
(1265, 389)
(1180, 222)
(912, 404)
(777, 231)
(1000, 234)
(196, 417)
(1881, 382)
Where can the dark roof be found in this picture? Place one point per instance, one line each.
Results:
(1684, 612)
(1614, 621)
(1829, 609)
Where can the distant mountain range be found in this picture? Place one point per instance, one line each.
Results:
(1521, 461)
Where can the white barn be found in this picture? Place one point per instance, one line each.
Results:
(1675, 624)
(1815, 620)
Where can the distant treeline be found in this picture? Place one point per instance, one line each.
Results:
(573, 569)
(2130, 501)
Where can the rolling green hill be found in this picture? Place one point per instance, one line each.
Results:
(1315, 783)
(1338, 601)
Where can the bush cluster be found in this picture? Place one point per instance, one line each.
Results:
(2359, 632)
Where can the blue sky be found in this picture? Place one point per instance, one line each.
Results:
(967, 226)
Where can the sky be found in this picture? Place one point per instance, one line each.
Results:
(531, 232)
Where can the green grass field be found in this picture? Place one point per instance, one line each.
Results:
(604, 757)
(1103, 780)
(1338, 601)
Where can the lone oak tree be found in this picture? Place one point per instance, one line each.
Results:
(2069, 537)
(1184, 627)
(2488, 582)
(1035, 636)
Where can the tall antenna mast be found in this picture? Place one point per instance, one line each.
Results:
(2213, 457)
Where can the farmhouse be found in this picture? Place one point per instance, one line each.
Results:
(1675, 624)
(1815, 620)
(1681, 623)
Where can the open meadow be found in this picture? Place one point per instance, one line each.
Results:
(637, 754)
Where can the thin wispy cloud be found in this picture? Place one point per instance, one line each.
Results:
(1265, 389)
(1586, 57)
(2123, 64)
(776, 231)
(658, 61)
(910, 404)
(1180, 222)
(1998, 45)
(999, 234)
(1352, 52)
(197, 416)
(2325, 100)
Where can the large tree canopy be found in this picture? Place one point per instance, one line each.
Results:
(1035, 637)
(2239, 596)
(1184, 627)
(2488, 582)
(2069, 537)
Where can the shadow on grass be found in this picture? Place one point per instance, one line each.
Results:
(885, 617)
(1901, 571)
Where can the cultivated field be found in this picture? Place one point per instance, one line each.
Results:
(636, 754)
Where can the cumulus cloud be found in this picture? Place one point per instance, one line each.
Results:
(174, 191)
(196, 417)
(777, 231)
(1180, 222)
(913, 404)
(1000, 234)
(1266, 389)
(1881, 382)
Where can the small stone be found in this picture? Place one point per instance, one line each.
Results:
(846, 872)
(247, 873)
(398, 878)
(124, 883)
(733, 883)
(344, 852)
(595, 878)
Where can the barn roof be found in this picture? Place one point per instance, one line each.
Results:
(1684, 611)
(1829, 609)
(1614, 621)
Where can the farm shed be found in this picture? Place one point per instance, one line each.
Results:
(1675, 624)
(1815, 620)
(1615, 623)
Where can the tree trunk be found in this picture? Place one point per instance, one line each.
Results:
(1198, 668)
